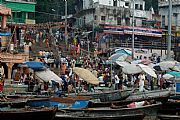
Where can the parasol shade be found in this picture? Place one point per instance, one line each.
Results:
(167, 64)
(148, 70)
(131, 69)
(48, 75)
(86, 75)
(122, 64)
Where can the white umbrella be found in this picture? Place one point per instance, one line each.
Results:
(131, 69)
(148, 70)
(176, 67)
(167, 76)
(48, 75)
(122, 64)
(168, 64)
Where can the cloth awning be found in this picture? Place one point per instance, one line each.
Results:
(34, 65)
(47, 75)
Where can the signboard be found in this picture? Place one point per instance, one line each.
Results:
(129, 30)
(177, 87)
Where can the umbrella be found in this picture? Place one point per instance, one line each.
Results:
(122, 64)
(159, 68)
(177, 67)
(48, 75)
(174, 73)
(34, 65)
(148, 70)
(131, 69)
(86, 75)
(136, 62)
(115, 56)
(168, 64)
(167, 76)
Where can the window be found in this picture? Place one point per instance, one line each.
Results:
(114, 11)
(31, 15)
(118, 21)
(126, 4)
(141, 7)
(136, 6)
(127, 21)
(95, 17)
(175, 18)
(103, 18)
(114, 2)
(163, 21)
(18, 14)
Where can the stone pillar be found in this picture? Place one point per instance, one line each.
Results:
(9, 69)
(4, 19)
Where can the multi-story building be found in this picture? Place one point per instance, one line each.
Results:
(114, 12)
(163, 8)
(175, 18)
(115, 19)
(23, 11)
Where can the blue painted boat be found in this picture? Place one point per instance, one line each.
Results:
(59, 102)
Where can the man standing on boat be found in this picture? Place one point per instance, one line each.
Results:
(1, 77)
(141, 78)
(116, 82)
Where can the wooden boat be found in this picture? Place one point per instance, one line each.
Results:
(27, 113)
(149, 110)
(170, 108)
(168, 117)
(87, 116)
(13, 101)
(60, 102)
(156, 94)
(161, 96)
(108, 95)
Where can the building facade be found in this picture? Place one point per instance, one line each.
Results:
(114, 18)
(175, 18)
(23, 11)
(163, 8)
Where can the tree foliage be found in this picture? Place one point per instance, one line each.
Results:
(52, 10)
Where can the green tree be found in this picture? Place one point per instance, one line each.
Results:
(47, 10)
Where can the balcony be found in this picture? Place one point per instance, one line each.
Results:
(166, 3)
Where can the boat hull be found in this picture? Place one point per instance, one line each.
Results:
(34, 114)
(139, 116)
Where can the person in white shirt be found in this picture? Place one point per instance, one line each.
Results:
(116, 82)
(141, 78)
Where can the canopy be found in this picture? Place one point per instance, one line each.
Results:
(148, 70)
(131, 69)
(86, 75)
(174, 73)
(34, 65)
(47, 75)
